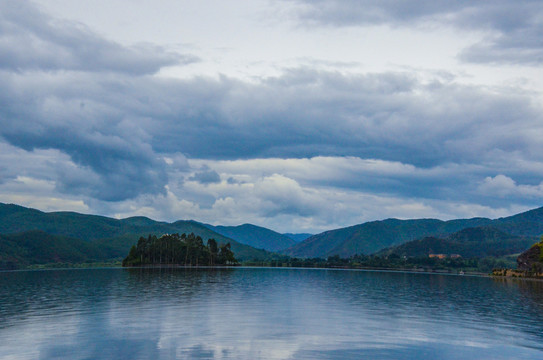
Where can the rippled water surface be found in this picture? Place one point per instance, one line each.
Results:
(246, 313)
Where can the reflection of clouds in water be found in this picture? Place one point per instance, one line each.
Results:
(318, 332)
(112, 348)
(75, 337)
(243, 350)
(272, 314)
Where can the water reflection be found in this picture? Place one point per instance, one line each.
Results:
(266, 313)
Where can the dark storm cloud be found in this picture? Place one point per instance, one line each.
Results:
(30, 40)
(516, 26)
(113, 157)
(128, 124)
(305, 113)
(45, 107)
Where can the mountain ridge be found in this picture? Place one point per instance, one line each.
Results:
(373, 236)
(117, 235)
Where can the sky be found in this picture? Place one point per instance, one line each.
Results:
(296, 115)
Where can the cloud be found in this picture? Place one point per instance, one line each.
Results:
(460, 182)
(206, 177)
(306, 208)
(311, 194)
(32, 40)
(521, 46)
(375, 12)
(284, 196)
(515, 27)
(299, 149)
(120, 138)
(504, 186)
(306, 113)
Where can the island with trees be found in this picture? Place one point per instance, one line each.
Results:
(183, 250)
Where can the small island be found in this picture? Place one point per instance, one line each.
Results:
(182, 250)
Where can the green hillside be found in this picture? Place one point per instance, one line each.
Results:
(255, 236)
(113, 235)
(38, 247)
(529, 223)
(471, 242)
(374, 236)
(16, 219)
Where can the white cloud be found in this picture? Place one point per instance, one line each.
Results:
(39, 194)
(282, 203)
(504, 186)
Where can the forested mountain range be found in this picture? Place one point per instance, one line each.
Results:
(371, 237)
(30, 236)
(101, 237)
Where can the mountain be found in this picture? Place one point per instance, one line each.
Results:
(255, 236)
(16, 219)
(471, 242)
(113, 235)
(373, 236)
(38, 247)
(298, 237)
(529, 223)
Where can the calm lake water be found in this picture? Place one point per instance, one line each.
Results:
(248, 313)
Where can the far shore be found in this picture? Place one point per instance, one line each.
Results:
(175, 266)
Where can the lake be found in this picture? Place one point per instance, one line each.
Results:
(262, 313)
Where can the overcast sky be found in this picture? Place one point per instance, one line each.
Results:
(297, 115)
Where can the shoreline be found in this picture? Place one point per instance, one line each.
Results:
(173, 266)
(515, 274)
(367, 268)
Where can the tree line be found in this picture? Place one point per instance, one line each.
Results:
(392, 261)
(175, 249)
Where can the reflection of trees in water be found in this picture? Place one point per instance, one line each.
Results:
(529, 304)
(174, 283)
(533, 290)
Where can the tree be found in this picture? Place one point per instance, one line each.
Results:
(226, 256)
(213, 250)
